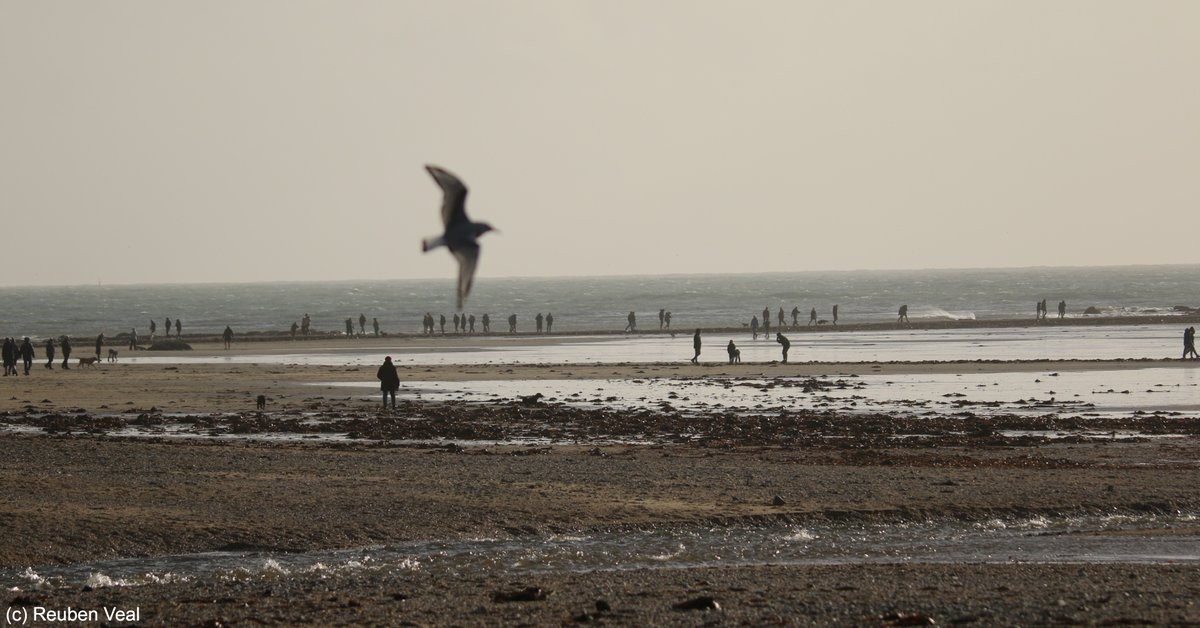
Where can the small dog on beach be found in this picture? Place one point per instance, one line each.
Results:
(87, 361)
(261, 402)
(112, 355)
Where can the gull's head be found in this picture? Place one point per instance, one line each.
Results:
(482, 228)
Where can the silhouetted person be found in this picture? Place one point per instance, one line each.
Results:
(812, 316)
(631, 326)
(754, 327)
(99, 346)
(9, 353)
(780, 319)
(27, 354)
(766, 321)
(375, 325)
(1189, 343)
(457, 322)
(668, 319)
(389, 381)
(132, 338)
(471, 323)
(349, 327)
(487, 323)
(903, 318)
(1062, 309)
(662, 318)
(795, 316)
(50, 353)
(167, 327)
(512, 323)
(178, 328)
(549, 322)
(362, 323)
(66, 349)
(227, 336)
(782, 339)
(835, 314)
(734, 354)
(442, 323)
(295, 327)
(696, 346)
(305, 324)
(153, 326)
(538, 321)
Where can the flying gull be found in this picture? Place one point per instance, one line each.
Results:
(461, 234)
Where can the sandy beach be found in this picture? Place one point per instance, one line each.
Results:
(126, 460)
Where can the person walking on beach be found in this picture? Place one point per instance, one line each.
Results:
(362, 324)
(178, 328)
(442, 323)
(903, 318)
(781, 319)
(696, 346)
(782, 339)
(50, 353)
(631, 325)
(295, 326)
(27, 354)
(471, 323)
(538, 321)
(835, 313)
(375, 325)
(662, 318)
(66, 349)
(167, 327)
(153, 325)
(487, 323)
(99, 346)
(456, 322)
(668, 318)
(754, 327)
(227, 336)
(305, 324)
(766, 321)
(1062, 309)
(734, 354)
(349, 328)
(132, 338)
(549, 322)
(9, 355)
(1189, 343)
(812, 316)
(389, 381)
(512, 323)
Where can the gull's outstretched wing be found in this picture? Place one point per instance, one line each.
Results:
(454, 196)
(468, 258)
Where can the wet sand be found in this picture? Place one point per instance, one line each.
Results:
(72, 492)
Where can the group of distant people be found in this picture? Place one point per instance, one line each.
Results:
(464, 324)
(24, 351)
(1043, 312)
(735, 354)
(362, 326)
(781, 318)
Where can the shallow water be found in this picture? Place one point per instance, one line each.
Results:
(1091, 539)
(1024, 343)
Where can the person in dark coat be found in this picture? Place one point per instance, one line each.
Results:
(66, 349)
(27, 354)
(10, 357)
(696, 346)
(389, 381)
(50, 353)
(783, 340)
(99, 346)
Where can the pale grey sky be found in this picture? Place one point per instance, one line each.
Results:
(179, 141)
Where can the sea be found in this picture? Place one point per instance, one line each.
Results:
(602, 303)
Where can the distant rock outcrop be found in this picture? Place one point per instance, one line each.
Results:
(1092, 310)
(170, 344)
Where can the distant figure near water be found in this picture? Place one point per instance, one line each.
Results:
(132, 338)
(735, 355)
(549, 322)
(631, 325)
(50, 353)
(389, 381)
(1189, 343)
(795, 317)
(512, 323)
(153, 326)
(362, 324)
(66, 349)
(903, 318)
(538, 321)
(835, 314)
(781, 319)
(662, 318)
(487, 324)
(782, 339)
(178, 328)
(349, 328)
(227, 336)
(766, 321)
(812, 316)
(668, 317)
(754, 327)
(696, 346)
(375, 324)
(1062, 309)
(99, 346)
